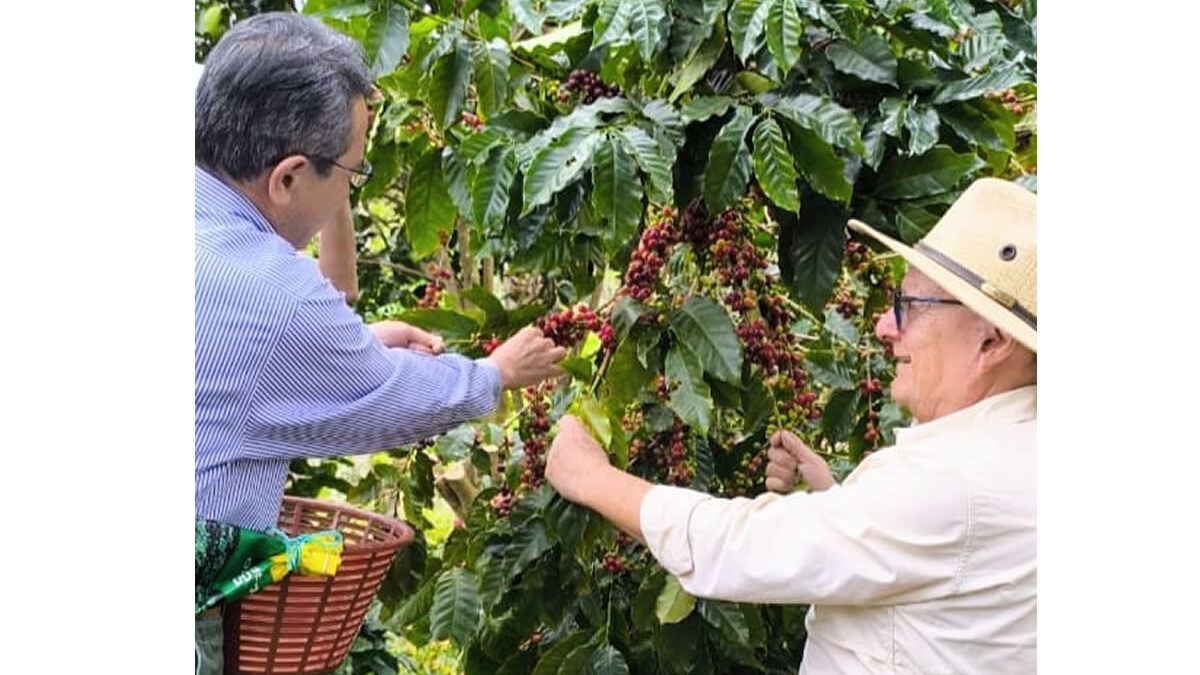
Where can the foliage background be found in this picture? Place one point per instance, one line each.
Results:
(506, 188)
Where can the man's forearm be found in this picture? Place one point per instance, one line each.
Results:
(337, 256)
(618, 496)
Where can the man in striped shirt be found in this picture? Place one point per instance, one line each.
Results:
(284, 369)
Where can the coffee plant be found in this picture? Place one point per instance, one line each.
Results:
(662, 187)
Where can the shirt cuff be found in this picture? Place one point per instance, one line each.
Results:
(492, 373)
(665, 517)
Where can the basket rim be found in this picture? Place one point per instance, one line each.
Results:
(402, 532)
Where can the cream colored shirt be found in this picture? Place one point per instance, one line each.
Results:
(923, 561)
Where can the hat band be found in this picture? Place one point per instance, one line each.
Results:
(988, 289)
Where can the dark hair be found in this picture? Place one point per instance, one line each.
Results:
(277, 84)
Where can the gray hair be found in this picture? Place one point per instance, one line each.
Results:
(277, 84)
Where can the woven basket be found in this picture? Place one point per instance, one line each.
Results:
(305, 625)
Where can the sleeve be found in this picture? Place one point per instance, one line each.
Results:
(896, 535)
(331, 388)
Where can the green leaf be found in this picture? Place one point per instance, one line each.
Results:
(558, 165)
(448, 81)
(727, 618)
(773, 165)
(606, 660)
(832, 122)
(625, 314)
(641, 609)
(759, 405)
(874, 143)
(673, 604)
(529, 543)
(704, 107)
(814, 10)
(932, 173)
(429, 211)
(747, 18)
(553, 41)
(728, 168)
(580, 369)
(699, 63)
(387, 39)
(869, 59)
(840, 327)
(616, 190)
(644, 19)
(822, 367)
(578, 661)
(456, 171)
(703, 327)
(612, 22)
(477, 145)
(524, 12)
(783, 33)
(821, 167)
(837, 420)
(810, 249)
(491, 76)
(626, 376)
(667, 122)
(592, 415)
(553, 657)
(993, 80)
(492, 186)
(893, 111)
(445, 322)
(455, 613)
(210, 21)
(691, 400)
(650, 159)
(974, 126)
(922, 126)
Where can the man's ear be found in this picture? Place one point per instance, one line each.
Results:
(995, 346)
(283, 178)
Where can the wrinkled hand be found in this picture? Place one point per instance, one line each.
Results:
(574, 458)
(400, 334)
(788, 458)
(527, 358)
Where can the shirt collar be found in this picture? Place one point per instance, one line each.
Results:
(1010, 407)
(214, 196)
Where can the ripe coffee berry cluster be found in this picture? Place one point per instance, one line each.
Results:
(568, 327)
(433, 289)
(502, 501)
(490, 346)
(650, 256)
(613, 563)
(534, 426)
(1009, 99)
(589, 84)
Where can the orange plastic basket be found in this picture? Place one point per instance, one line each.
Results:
(305, 625)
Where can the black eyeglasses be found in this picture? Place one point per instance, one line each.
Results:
(898, 302)
(358, 176)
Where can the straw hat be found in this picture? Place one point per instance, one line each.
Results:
(983, 252)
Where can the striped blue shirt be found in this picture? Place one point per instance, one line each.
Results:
(285, 369)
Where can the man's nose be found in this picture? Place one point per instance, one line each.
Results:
(885, 327)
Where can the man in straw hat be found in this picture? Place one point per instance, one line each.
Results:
(925, 559)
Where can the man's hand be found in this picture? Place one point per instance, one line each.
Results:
(788, 458)
(527, 358)
(400, 334)
(574, 458)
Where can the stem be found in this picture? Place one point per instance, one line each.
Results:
(608, 620)
(396, 266)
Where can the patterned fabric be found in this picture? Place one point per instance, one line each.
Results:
(284, 369)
